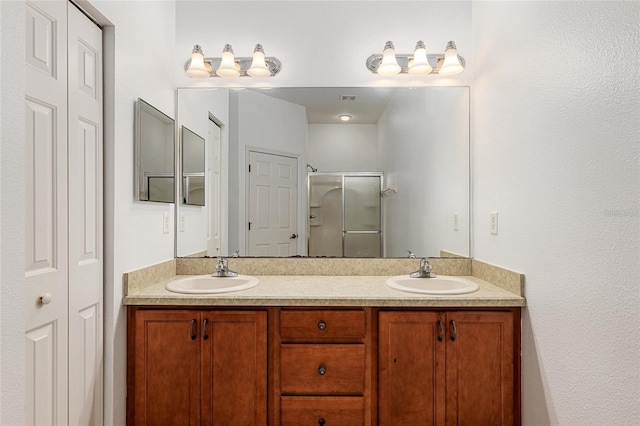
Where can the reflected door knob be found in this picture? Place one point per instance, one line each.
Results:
(45, 299)
(293, 236)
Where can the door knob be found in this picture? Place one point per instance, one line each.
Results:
(45, 299)
(293, 236)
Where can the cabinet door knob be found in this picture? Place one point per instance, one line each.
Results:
(322, 325)
(321, 421)
(441, 335)
(45, 299)
(322, 370)
(454, 331)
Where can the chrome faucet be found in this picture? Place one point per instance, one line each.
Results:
(425, 271)
(222, 270)
(410, 254)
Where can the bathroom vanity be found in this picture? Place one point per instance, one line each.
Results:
(323, 350)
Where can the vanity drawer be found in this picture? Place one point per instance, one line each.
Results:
(322, 369)
(322, 325)
(343, 411)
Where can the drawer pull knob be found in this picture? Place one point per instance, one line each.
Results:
(322, 325)
(322, 370)
(321, 422)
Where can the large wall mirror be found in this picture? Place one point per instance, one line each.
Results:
(155, 161)
(329, 172)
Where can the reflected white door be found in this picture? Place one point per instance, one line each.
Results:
(63, 209)
(214, 203)
(85, 220)
(46, 214)
(273, 205)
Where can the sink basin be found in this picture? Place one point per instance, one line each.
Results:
(206, 284)
(441, 284)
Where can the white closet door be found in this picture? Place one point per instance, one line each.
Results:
(46, 213)
(85, 220)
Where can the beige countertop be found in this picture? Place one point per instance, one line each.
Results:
(309, 290)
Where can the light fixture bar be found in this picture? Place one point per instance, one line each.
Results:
(243, 64)
(435, 59)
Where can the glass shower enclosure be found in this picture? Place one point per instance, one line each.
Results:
(345, 214)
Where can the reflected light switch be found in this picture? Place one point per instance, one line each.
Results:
(166, 221)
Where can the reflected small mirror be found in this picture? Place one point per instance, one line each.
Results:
(155, 160)
(193, 182)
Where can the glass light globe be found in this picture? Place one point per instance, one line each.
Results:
(227, 68)
(389, 64)
(197, 68)
(258, 66)
(420, 64)
(451, 64)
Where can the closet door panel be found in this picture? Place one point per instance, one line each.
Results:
(46, 226)
(85, 218)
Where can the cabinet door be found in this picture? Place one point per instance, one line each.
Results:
(234, 368)
(167, 368)
(480, 368)
(411, 360)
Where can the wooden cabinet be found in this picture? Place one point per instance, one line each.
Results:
(197, 367)
(323, 366)
(449, 368)
(324, 363)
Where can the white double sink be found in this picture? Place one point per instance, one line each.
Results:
(206, 284)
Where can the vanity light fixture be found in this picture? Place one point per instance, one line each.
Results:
(229, 66)
(345, 117)
(418, 63)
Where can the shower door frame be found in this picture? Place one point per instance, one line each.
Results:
(344, 232)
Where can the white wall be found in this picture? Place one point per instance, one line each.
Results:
(195, 108)
(270, 125)
(12, 188)
(138, 61)
(556, 154)
(424, 153)
(322, 43)
(343, 147)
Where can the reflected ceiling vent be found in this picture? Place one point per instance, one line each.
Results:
(349, 97)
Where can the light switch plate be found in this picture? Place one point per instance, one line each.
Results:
(493, 223)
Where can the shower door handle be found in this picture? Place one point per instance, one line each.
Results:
(293, 236)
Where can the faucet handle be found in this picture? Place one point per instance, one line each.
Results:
(424, 265)
(222, 264)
